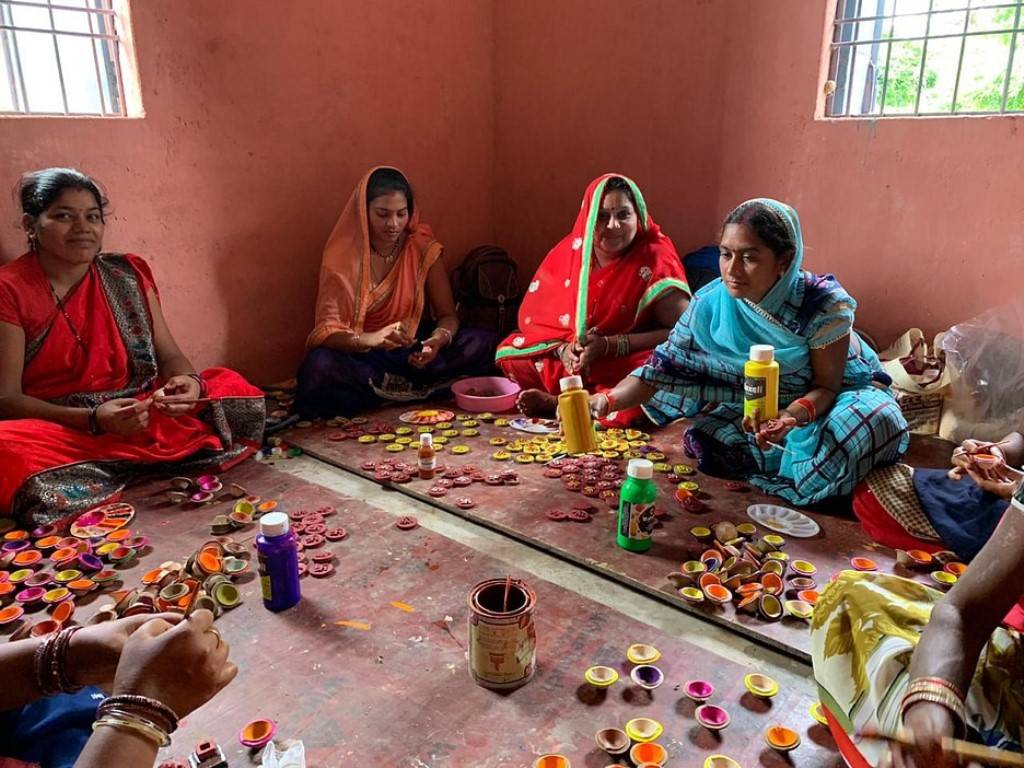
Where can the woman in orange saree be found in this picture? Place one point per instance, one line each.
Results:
(93, 387)
(601, 300)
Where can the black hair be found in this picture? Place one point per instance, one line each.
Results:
(767, 224)
(619, 184)
(384, 181)
(38, 190)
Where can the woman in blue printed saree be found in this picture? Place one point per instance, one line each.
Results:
(838, 419)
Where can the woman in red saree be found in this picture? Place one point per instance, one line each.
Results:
(606, 295)
(93, 387)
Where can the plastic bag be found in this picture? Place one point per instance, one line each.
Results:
(986, 354)
(292, 754)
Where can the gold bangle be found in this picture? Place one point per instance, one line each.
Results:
(941, 696)
(137, 725)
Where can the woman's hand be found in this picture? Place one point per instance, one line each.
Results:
(95, 650)
(592, 349)
(964, 453)
(389, 337)
(569, 356)
(428, 351)
(178, 395)
(124, 416)
(999, 480)
(925, 724)
(600, 406)
(183, 666)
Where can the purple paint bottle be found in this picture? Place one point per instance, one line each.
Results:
(278, 562)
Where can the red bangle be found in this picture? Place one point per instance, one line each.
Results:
(807, 405)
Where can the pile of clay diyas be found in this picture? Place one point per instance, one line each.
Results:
(314, 532)
(944, 576)
(276, 448)
(591, 476)
(203, 490)
(41, 569)
(750, 572)
(638, 738)
(244, 511)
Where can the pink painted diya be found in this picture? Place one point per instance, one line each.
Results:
(712, 717)
(699, 690)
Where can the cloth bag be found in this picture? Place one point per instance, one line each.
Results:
(921, 379)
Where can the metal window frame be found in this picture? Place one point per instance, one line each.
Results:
(842, 45)
(102, 33)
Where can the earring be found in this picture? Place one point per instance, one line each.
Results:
(32, 244)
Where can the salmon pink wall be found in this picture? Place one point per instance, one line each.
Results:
(921, 219)
(588, 86)
(260, 118)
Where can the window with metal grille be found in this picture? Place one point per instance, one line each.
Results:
(65, 57)
(926, 57)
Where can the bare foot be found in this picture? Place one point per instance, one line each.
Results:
(536, 403)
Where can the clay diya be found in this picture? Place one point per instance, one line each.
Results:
(17, 535)
(235, 565)
(770, 607)
(647, 676)
(781, 738)
(200, 497)
(799, 609)
(809, 596)
(642, 653)
(552, 760)
(699, 690)
(62, 611)
(47, 542)
(863, 564)
(648, 753)
(707, 579)
(773, 541)
(600, 676)
(15, 546)
(70, 574)
(760, 685)
(644, 729)
(10, 614)
(712, 717)
(803, 567)
(693, 568)
(749, 603)
(691, 595)
(57, 595)
(798, 583)
(718, 594)
(612, 740)
(30, 595)
(103, 550)
(773, 566)
(27, 558)
(747, 530)
(679, 579)
(957, 569)
(711, 554)
(943, 579)
(88, 563)
(122, 555)
(227, 595)
(772, 583)
(81, 586)
(720, 761)
(180, 483)
(38, 580)
(257, 733)
(701, 533)
(6, 591)
(20, 575)
(105, 576)
(44, 628)
(914, 558)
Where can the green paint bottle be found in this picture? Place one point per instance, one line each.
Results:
(636, 507)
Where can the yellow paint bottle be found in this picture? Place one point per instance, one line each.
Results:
(761, 382)
(574, 408)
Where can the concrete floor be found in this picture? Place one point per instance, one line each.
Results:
(567, 575)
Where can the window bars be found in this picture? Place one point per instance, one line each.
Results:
(926, 57)
(60, 58)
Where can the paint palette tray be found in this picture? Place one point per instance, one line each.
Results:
(102, 520)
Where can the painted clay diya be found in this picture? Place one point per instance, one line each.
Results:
(746, 530)
(707, 579)
(914, 558)
(180, 483)
(773, 566)
(801, 582)
(227, 594)
(20, 575)
(612, 740)
(957, 569)
(718, 594)
(15, 546)
(17, 535)
(818, 713)
(552, 760)
(644, 729)
(122, 555)
(699, 690)
(863, 564)
(103, 550)
(200, 497)
(234, 565)
(38, 580)
(6, 591)
(803, 567)
(81, 586)
(257, 733)
(720, 761)
(712, 717)
(943, 579)
(62, 612)
(679, 579)
(27, 558)
(761, 685)
(799, 609)
(600, 676)
(88, 563)
(648, 753)
(119, 535)
(44, 628)
(772, 583)
(781, 738)
(809, 596)
(11, 614)
(105, 576)
(693, 567)
(711, 554)
(57, 595)
(691, 595)
(63, 577)
(30, 595)
(47, 542)
(779, 557)
(701, 533)
(770, 607)
(774, 541)
(642, 653)
(647, 676)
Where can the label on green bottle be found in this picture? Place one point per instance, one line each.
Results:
(636, 520)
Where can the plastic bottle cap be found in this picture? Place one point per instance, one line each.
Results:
(569, 383)
(274, 524)
(641, 469)
(762, 353)
(427, 439)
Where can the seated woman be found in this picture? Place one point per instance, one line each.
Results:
(93, 387)
(380, 266)
(601, 300)
(942, 510)
(890, 653)
(838, 420)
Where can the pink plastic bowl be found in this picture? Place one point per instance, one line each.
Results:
(500, 394)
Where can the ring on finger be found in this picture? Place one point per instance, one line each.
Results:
(215, 633)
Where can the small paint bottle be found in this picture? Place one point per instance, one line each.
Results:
(761, 383)
(278, 558)
(636, 507)
(574, 409)
(427, 457)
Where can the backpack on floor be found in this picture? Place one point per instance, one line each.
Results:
(487, 290)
